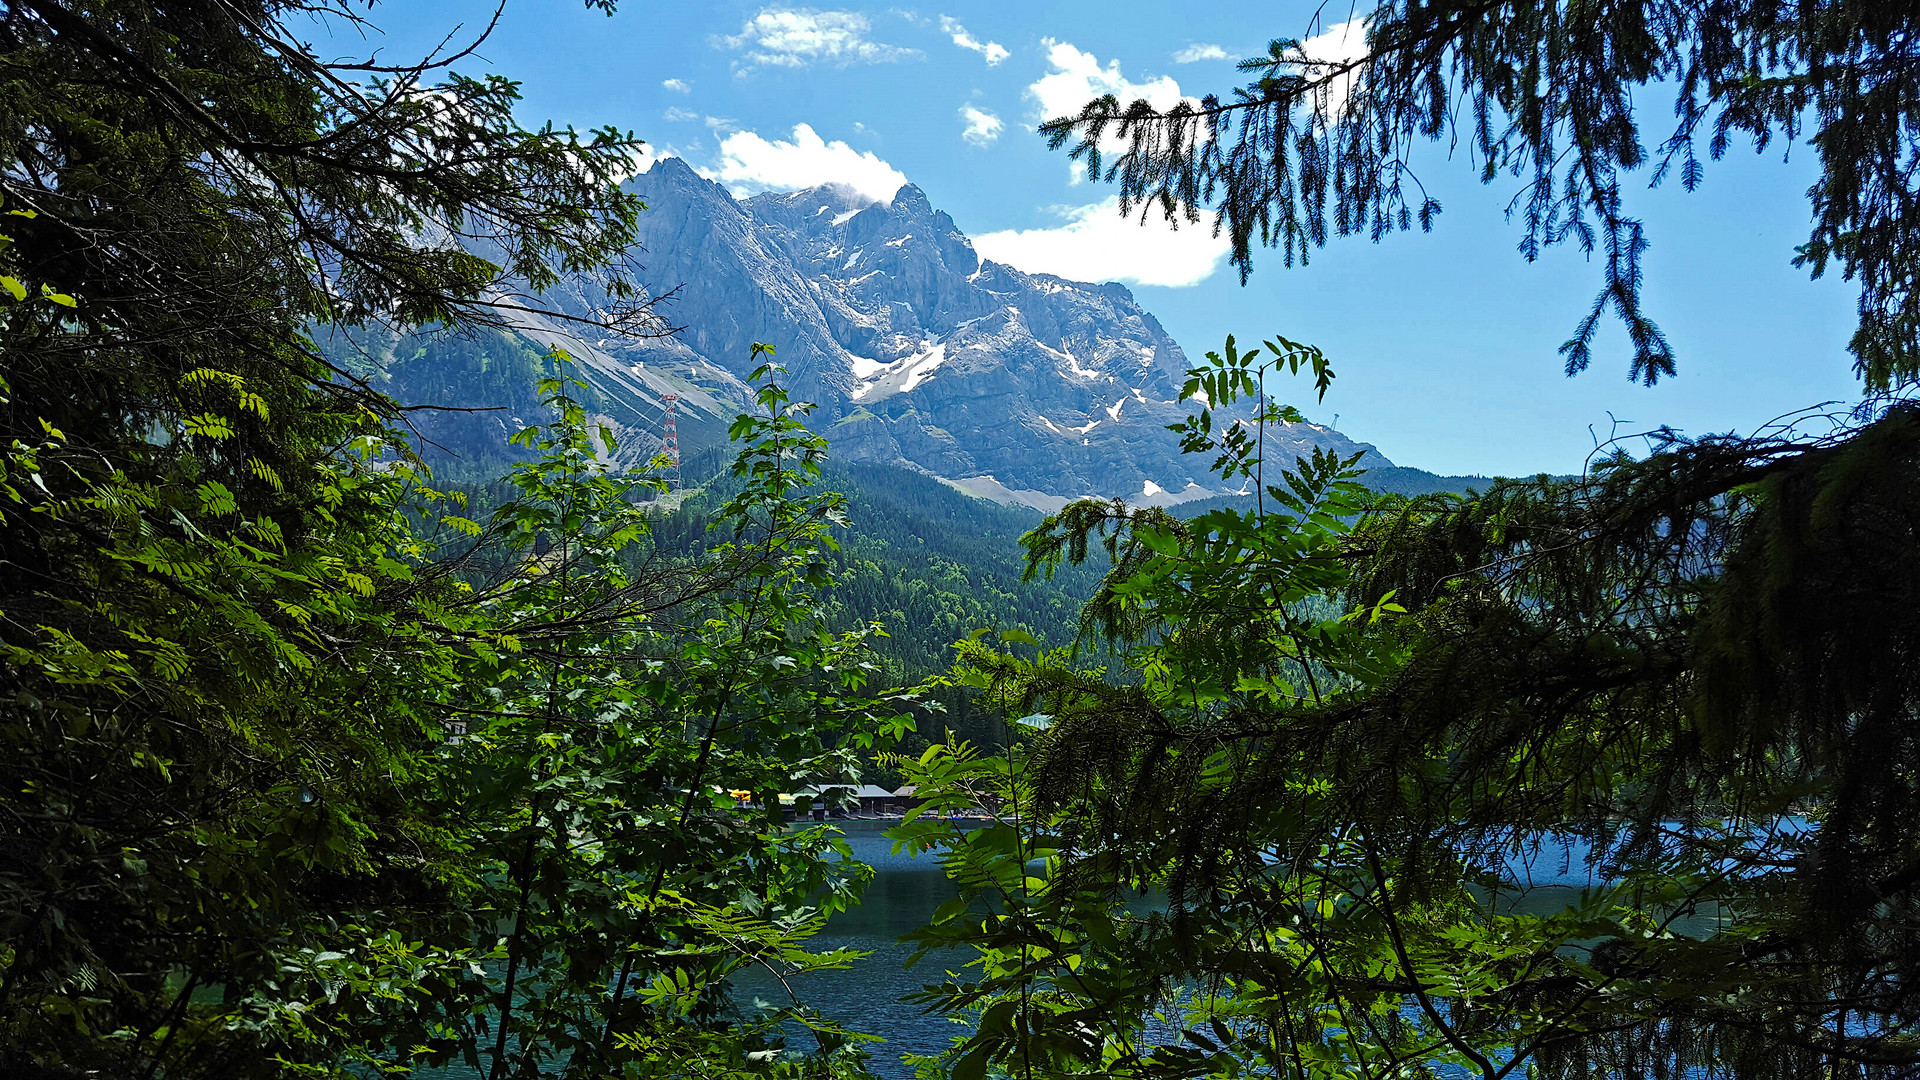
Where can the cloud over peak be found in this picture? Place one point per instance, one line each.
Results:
(799, 37)
(1096, 243)
(644, 158)
(749, 164)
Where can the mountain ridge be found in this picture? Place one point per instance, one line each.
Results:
(1014, 386)
(1017, 387)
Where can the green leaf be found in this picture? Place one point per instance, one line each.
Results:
(972, 1065)
(209, 425)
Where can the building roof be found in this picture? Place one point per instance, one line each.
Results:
(860, 791)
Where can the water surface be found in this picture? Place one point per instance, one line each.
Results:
(902, 898)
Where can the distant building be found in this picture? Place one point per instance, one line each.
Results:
(830, 800)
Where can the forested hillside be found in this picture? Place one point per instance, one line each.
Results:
(928, 563)
(931, 562)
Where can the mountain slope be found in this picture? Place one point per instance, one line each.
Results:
(1023, 387)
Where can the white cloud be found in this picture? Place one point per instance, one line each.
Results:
(983, 127)
(1193, 54)
(797, 37)
(1077, 77)
(992, 50)
(678, 86)
(1342, 43)
(675, 114)
(749, 163)
(1097, 244)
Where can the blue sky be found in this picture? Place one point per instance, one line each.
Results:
(1445, 343)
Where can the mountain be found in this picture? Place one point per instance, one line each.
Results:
(1020, 387)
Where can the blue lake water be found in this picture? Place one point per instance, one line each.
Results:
(868, 996)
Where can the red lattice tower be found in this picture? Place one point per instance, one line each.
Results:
(670, 441)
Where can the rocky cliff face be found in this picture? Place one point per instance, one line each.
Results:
(1022, 387)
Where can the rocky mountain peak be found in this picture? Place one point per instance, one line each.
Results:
(1023, 387)
(911, 200)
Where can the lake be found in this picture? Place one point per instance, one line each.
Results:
(867, 997)
(905, 891)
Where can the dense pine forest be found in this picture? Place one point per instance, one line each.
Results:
(366, 712)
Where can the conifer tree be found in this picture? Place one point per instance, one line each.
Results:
(1358, 733)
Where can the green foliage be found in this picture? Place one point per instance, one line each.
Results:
(311, 768)
(514, 845)
(466, 394)
(624, 881)
(1217, 616)
(1691, 674)
(214, 695)
(928, 562)
(1354, 724)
